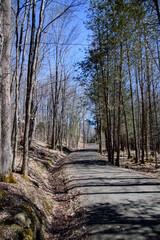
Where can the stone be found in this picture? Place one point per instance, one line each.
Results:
(22, 219)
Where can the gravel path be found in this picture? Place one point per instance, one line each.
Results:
(118, 203)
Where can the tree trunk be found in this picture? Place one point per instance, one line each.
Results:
(29, 96)
(55, 104)
(1, 48)
(99, 126)
(114, 113)
(139, 114)
(156, 126)
(141, 82)
(132, 103)
(31, 75)
(126, 127)
(62, 114)
(5, 40)
(119, 107)
(15, 142)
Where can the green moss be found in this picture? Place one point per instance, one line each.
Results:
(15, 228)
(28, 209)
(26, 178)
(31, 213)
(35, 227)
(28, 234)
(12, 179)
(2, 195)
(139, 163)
(131, 159)
(20, 233)
(47, 206)
(8, 179)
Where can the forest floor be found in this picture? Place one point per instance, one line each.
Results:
(147, 169)
(39, 207)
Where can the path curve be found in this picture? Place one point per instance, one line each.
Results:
(118, 203)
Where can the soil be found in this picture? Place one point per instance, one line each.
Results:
(39, 207)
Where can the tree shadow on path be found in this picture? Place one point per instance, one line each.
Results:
(107, 221)
(118, 204)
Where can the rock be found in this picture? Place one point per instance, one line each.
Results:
(22, 219)
(28, 222)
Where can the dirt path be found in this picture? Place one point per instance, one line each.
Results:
(118, 203)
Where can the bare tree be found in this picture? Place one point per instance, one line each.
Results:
(5, 41)
(132, 104)
(19, 72)
(31, 76)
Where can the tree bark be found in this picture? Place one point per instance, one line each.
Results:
(119, 106)
(141, 83)
(114, 113)
(99, 128)
(6, 156)
(126, 127)
(156, 126)
(132, 103)
(1, 47)
(15, 122)
(31, 75)
(29, 95)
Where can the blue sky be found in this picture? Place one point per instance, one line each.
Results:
(82, 41)
(78, 46)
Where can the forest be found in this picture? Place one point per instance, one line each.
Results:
(75, 73)
(47, 96)
(120, 75)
